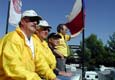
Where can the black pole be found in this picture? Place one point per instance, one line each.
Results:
(7, 17)
(83, 50)
(83, 42)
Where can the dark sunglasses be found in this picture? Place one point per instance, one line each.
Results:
(32, 19)
(46, 29)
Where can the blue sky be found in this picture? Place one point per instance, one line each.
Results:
(100, 15)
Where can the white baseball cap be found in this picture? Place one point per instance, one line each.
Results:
(44, 23)
(31, 13)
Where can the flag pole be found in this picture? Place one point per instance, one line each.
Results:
(83, 50)
(83, 44)
(7, 17)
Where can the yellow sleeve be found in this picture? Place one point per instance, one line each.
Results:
(67, 37)
(0, 40)
(50, 58)
(13, 65)
(53, 59)
(42, 68)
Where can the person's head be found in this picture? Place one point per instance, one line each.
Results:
(28, 22)
(53, 39)
(61, 28)
(43, 29)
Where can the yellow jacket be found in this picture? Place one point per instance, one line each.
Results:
(0, 39)
(62, 47)
(44, 49)
(16, 61)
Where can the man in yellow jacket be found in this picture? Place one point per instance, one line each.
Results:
(41, 34)
(62, 47)
(19, 59)
(43, 48)
(53, 40)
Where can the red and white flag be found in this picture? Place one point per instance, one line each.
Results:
(76, 18)
(15, 12)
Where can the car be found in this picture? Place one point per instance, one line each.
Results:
(91, 75)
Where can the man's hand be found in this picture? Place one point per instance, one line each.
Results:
(63, 73)
(56, 79)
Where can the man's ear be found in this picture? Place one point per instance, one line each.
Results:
(22, 21)
(61, 30)
(37, 27)
(50, 40)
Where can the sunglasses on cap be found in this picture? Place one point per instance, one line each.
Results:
(45, 29)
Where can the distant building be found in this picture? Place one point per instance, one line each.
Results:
(73, 58)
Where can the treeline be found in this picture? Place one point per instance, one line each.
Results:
(96, 53)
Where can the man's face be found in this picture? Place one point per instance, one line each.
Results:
(30, 24)
(64, 30)
(54, 42)
(43, 32)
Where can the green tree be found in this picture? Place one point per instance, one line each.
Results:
(111, 43)
(110, 48)
(95, 52)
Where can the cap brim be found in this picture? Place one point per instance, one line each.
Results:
(36, 17)
(54, 36)
(57, 36)
(45, 26)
